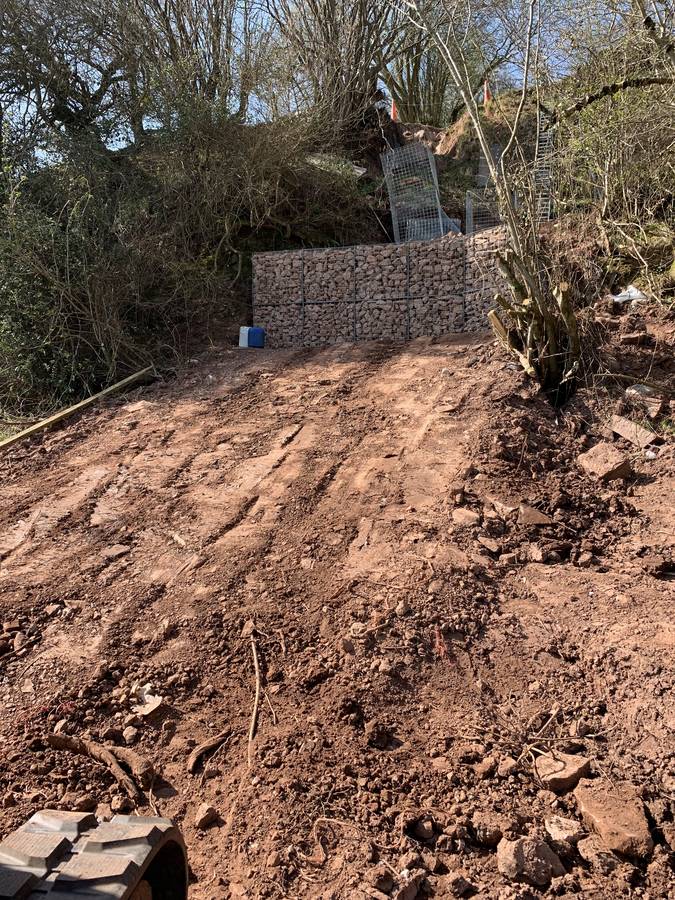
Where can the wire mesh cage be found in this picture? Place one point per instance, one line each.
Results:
(412, 184)
(482, 210)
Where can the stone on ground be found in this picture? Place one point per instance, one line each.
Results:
(206, 815)
(528, 515)
(605, 462)
(463, 516)
(616, 814)
(530, 860)
(561, 829)
(561, 772)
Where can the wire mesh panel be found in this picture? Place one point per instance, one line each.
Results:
(412, 183)
(482, 210)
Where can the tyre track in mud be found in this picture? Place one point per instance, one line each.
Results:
(312, 494)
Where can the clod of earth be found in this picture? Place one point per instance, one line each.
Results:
(593, 851)
(489, 828)
(411, 888)
(616, 814)
(378, 735)
(456, 884)
(381, 879)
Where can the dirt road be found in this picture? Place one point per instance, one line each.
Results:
(362, 516)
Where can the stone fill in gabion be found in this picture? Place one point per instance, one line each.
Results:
(313, 298)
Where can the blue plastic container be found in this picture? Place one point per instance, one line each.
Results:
(256, 337)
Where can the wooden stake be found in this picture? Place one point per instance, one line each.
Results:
(71, 410)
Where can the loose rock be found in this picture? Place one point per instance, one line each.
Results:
(489, 544)
(528, 515)
(116, 551)
(605, 462)
(561, 829)
(616, 814)
(122, 804)
(633, 432)
(528, 860)
(130, 734)
(20, 640)
(206, 815)
(561, 772)
(463, 516)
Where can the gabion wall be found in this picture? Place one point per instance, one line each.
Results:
(312, 298)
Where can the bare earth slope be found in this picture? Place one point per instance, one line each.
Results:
(353, 516)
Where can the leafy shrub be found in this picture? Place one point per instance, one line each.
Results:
(110, 259)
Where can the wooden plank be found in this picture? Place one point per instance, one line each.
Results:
(71, 410)
(633, 432)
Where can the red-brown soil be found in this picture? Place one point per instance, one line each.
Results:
(353, 514)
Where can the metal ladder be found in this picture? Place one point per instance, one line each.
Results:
(543, 170)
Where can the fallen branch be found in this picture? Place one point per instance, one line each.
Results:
(100, 754)
(206, 747)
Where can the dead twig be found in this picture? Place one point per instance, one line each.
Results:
(152, 800)
(269, 703)
(206, 747)
(440, 647)
(256, 702)
(345, 586)
(103, 755)
(319, 856)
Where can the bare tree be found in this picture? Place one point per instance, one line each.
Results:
(340, 47)
(417, 76)
(55, 67)
(544, 334)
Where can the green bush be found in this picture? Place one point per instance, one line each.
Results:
(110, 259)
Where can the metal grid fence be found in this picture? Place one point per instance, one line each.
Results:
(482, 210)
(412, 184)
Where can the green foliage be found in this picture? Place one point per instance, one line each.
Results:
(110, 259)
